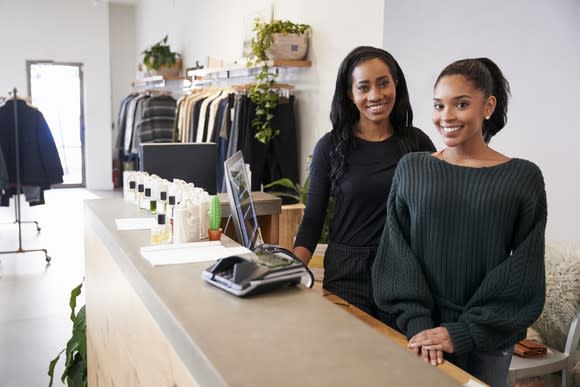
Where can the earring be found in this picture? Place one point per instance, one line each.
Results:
(487, 117)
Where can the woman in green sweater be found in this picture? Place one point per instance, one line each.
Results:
(461, 260)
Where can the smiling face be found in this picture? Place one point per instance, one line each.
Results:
(373, 91)
(459, 110)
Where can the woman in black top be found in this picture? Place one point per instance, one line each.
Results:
(354, 164)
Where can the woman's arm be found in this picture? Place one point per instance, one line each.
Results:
(303, 253)
(399, 285)
(317, 202)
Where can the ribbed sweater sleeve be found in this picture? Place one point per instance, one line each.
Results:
(399, 286)
(464, 248)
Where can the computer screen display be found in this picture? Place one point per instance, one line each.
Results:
(192, 162)
(240, 200)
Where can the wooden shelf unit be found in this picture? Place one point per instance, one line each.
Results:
(161, 81)
(240, 71)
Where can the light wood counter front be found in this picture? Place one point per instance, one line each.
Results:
(164, 326)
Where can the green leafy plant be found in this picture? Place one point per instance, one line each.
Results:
(215, 213)
(298, 192)
(262, 93)
(75, 367)
(264, 36)
(159, 55)
(266, 100)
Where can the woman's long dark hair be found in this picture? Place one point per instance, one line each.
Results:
(487, 77)
(344, 114)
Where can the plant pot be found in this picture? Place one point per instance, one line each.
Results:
(288, 46)
(168, 71)
(214, 235)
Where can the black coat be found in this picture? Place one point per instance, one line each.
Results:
(39, 160)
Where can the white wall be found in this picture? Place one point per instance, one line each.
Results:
(215, 28)
(122, 38)
(536, 44)
(65, 31)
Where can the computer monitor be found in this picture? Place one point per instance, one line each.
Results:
(242, 207)
(192, 162)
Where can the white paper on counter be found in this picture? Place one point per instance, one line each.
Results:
(135, 223)
(172, 254)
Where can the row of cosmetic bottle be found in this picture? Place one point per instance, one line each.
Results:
(181, 208)
(147, 191)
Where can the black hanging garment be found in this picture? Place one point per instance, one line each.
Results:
(3, 172)
(278, 158)
(40, 164)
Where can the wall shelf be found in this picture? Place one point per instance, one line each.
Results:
(160, 81)
(241, 71)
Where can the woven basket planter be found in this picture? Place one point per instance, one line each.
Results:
(171, 71)
(288, 47)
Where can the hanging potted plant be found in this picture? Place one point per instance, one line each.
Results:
(277, 39)
(160, 60)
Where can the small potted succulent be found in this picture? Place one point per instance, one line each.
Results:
(214, 231)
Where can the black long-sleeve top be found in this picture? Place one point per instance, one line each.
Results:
(463, 248)
(359, 207)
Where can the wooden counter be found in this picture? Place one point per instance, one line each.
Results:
(448, 368)
(164, 326)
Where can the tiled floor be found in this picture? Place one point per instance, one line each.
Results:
(34, 295)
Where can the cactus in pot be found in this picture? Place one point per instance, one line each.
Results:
(215, 217)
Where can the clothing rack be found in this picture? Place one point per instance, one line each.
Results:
(17, 213)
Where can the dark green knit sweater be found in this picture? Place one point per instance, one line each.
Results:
(463, 248)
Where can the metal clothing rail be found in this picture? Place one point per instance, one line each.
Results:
(17, 213)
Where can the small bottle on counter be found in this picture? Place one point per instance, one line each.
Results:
(140, 193)
(145, 202)
(129, 186)
(170, 214)
(152, 202)
(132, 190)
(160, 233)
(162, 202)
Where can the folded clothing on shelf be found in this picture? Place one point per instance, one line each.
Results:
(530, 348)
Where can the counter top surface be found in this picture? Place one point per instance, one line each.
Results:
(287, 337)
